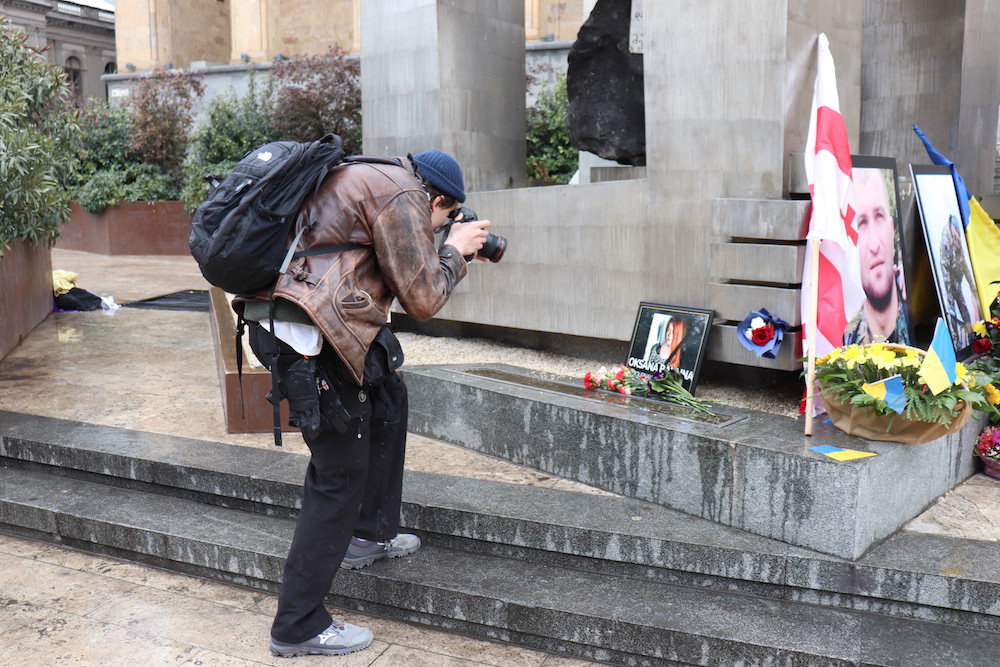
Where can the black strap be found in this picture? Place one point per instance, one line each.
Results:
(326, 249)
(275, 391)
(240, 328)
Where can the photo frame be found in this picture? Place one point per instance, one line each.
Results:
(885, 314)
(670, 336)
(944, 234)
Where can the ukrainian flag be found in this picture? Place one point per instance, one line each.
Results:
(889, 390)
(940, 368)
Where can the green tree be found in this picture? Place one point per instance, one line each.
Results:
(551, 156)
(38, 130)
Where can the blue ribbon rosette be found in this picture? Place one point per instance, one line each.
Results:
(758, 320)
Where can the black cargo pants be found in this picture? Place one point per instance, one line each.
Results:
(353, 486)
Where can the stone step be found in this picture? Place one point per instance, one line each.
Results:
(750, 470)
(909, 575)
(596, 615)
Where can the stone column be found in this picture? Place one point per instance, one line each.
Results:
(933, 65)
(447, 74)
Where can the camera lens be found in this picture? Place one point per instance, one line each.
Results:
(494, 248)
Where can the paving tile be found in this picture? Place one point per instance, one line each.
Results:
(18, 546)
(48, 637)
(54, 587)
(413, 657)
(194, 621)
(452, 645)
(970, 511)
(206, 658)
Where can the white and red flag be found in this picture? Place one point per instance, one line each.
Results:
(831, 280)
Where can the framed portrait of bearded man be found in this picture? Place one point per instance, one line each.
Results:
(884, 316)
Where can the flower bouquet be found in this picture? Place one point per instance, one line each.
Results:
(878, 392)
(762, 333)
(988, 450)
(986, 366)
(666, 386)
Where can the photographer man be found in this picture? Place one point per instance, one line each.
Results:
(882, 317)
(331, 340)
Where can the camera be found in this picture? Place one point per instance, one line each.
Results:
(494, 246)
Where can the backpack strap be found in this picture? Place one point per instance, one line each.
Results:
(373, 159)
(275, 389)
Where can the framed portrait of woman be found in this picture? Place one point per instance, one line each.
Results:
(670, 338)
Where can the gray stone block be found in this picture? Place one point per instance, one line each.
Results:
(754, 471)
(260, 479)
(608, 578)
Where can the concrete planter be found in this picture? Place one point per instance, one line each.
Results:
(131, 228)
(26, 297)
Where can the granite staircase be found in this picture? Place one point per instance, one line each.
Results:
(602, 577)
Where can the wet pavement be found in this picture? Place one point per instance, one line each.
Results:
(155, 370)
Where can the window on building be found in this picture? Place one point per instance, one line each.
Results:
(111, 68)
(532, 20)
(74, 74)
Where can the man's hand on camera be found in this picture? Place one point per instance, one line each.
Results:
(468, 237)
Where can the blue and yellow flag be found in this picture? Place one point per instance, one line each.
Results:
(841, 454)
(983, 238)
(940, 368)
(981, 234)
(889, 390)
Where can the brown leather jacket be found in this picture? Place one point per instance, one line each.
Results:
(348, 294)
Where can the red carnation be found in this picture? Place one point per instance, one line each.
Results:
(981, 345)
(762, 335)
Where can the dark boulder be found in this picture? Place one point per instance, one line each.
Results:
(604, 82)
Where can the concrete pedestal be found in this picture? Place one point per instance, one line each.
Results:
(745, 469)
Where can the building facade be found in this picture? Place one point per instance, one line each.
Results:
(182, 33)
(77, 36)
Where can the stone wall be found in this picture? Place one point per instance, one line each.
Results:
(932, 64)
(466, 97)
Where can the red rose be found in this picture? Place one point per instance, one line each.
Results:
(981, 345)
(762, 335)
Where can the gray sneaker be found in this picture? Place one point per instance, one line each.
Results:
(362, 553)
(338, 639)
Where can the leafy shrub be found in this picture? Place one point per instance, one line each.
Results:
(235, 125)
(38, 130)
(314, 95)
(130, 182)
(551, 157)
(160, 105)
(196, 181)
(106, 140)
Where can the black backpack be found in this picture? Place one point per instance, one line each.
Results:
(239, 233)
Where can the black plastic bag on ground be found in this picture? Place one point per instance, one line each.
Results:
(78, 299)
